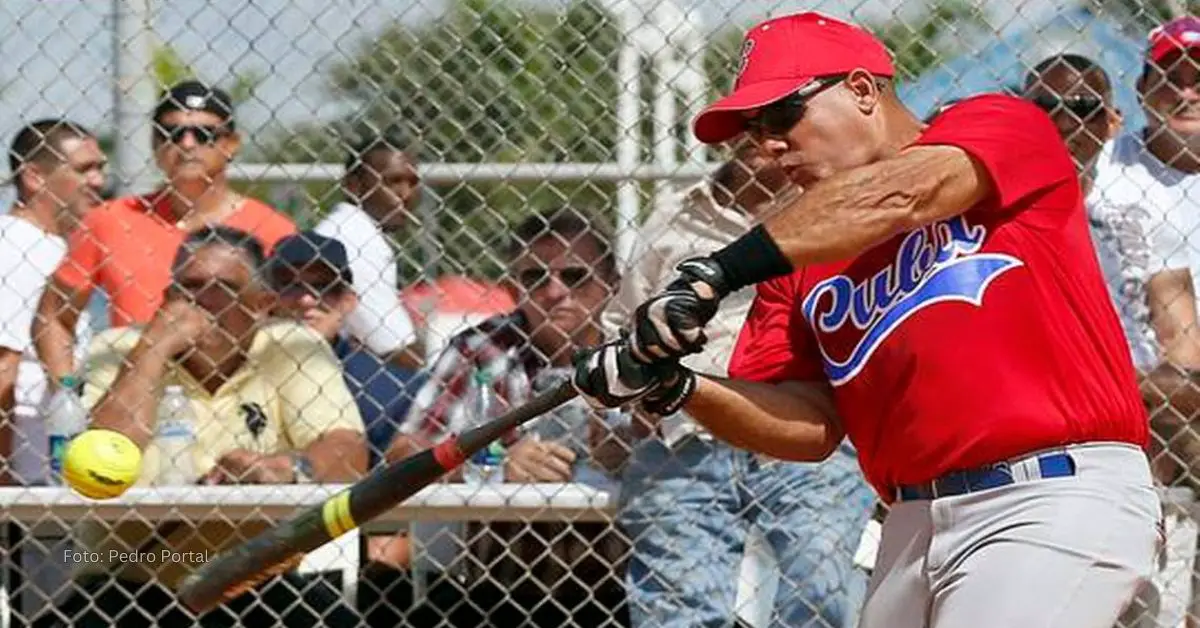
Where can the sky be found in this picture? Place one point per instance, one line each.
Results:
(58, 53)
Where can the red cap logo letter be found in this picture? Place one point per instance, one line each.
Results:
(747, 46)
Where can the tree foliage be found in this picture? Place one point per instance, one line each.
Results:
(169, 68)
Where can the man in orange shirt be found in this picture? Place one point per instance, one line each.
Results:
(126, 246)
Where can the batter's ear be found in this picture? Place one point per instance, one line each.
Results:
(865, 89)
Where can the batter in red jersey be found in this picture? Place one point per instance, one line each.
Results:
(933, 295)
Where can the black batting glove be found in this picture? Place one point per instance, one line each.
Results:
(671, 324)
(672, 394)
(607, 376)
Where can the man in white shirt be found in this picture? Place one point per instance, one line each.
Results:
(1144, 208)
(381, 186)
(688, 500)
(58, 171)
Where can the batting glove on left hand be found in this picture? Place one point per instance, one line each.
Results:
(671, 324)
(608, 377)
(676, 388)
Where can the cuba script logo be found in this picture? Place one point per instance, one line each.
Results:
(935, 264)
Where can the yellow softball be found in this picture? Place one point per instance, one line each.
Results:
(101, 464)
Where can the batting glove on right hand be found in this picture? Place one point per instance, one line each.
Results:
(671, 324)
(607, 376)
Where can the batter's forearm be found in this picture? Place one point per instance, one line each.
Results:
(784, 421)
(131, 404)
(848, 213)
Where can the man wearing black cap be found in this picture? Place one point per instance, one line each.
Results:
(312, 277)
(314, 282)
(126, 246)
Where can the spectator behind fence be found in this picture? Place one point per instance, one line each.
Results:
(271, 407)
(561, 273)
(58, 170)
(1077, 94)
(381, 186)
(125, 246)
(314, 280)
(1145, 211)
(1146, 205)
(688, 499)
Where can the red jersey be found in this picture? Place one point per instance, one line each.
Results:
(970, 341)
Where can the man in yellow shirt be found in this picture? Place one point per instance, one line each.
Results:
(270, 407)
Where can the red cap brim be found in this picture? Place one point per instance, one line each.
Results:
(722, 120)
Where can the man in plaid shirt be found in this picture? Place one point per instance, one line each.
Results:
(499, 346)
(562, 274)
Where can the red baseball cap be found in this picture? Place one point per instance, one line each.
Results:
(1181, 33)
(782, 55)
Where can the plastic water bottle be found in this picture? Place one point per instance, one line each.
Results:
(65, 418)
(487, 465)
(174, 436)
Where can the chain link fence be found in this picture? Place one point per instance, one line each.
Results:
(500, 182)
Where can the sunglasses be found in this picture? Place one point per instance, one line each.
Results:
(572, 276)
(1082, 106)
(176, 133)
(780, 116)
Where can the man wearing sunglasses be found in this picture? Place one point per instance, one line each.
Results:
(561, 273)
(933, 295)
(1077, 94)
(314, 283)
(690, 499)
(125, 246)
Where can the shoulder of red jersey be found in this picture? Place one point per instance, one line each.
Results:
(989, 104)
(1015, 142)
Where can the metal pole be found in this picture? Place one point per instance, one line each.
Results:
(666, 114)
(628, 134)
(450, 173)
(135, 94)
(693, 82)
